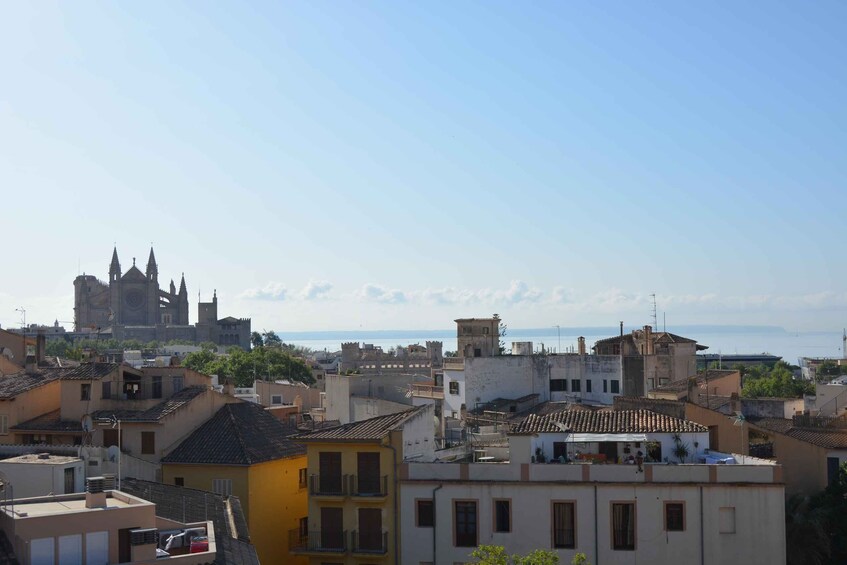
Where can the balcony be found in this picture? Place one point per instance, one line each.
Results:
(370, 543)
(318, 541)
(368, 487)
(428, 391)
(329, 485)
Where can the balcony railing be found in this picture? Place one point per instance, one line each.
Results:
(428, 391)
(369, 542)
(328, 485)
(323, 541)
(363, 485)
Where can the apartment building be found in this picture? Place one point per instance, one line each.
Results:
(352, 482)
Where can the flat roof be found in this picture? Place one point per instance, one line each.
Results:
(67, 504)
(35, 459)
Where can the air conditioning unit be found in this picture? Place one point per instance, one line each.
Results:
(144, 536)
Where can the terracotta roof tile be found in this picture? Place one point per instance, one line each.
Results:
(828, 438)
(706, 376)
(366, 430)
(50, 422)
(624, 421)
(238, 434)
(157, 412)
(13, 385)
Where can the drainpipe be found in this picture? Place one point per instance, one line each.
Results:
(434, 525)
(702, 547)
(596, 534)
(396, 533)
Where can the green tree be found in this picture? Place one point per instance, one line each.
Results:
(776, 382)
(256, 339)
(497, 555)
(271, 339)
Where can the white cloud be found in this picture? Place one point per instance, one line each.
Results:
(562, 295)
(376, 293)
(271, 291)
(519, 291)
(315, 290)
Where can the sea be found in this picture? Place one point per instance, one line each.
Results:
(789, 345)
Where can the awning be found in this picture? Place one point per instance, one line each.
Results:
(586, 438)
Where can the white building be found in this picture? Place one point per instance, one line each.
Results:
(40, 474)
(656, 512)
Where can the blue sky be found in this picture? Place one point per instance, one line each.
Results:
(397, 165)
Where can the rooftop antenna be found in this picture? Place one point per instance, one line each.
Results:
(655, 321)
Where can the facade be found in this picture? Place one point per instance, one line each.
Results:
(349, 396)
(700, 387)
(95, 527)
(651, 359)
(369, 360)
(478, 337)
(25, 396)
(244, 451)
(654, 512)
(352, 479)
(132, 306)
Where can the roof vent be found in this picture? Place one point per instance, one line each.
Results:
(108, 481)
(44, 456)
(143, 536)
(95, 484)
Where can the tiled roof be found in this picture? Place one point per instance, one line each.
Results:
(828, 438)
(50, 422)
(13, 385)
(605, 422)
(706, 376)
(190, 505)
(373, 429)
(659, 336)
(238, 434)
(88, 371)
(157, 412)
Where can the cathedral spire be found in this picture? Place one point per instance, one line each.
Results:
(182, 289)
(115, 266)
(152, 268)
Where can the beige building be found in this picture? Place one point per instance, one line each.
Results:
(96, 527)
(701, 387)
(478, 337)
(653, 512)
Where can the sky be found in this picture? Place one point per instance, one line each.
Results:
(391, 165)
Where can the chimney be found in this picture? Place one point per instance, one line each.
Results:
(40, 347)
(581, 345)
(95, 494)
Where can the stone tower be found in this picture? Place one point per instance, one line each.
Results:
(115, 288)
(152, 274)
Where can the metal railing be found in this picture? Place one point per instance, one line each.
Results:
(328, 485)
(329, 541)
(363, 485)
(369, 542)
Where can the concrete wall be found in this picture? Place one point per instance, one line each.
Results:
(276, 505)
(309, 397)
(41, 479)
(362, 408)
(341, 388)
(759, 515)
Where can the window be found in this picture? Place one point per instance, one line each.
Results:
(464, 523)
(303, 475)
(4, 424)
(477, 352)
(623, 525)
(454, 387)
(651, 383)
(106, 390)
(564, 525)
(605, 385)
(276, 399)
(558, 385)
(179, 481)
(502, 515)
(177, 384)
(85, 391)
(576, 385)
(726, 519)
(484, 331)
(148, 443)
(222, 486)
(587, 386)
(616, 386)
(157, 387)
(424, 514)
(110, 437)
(675, 516)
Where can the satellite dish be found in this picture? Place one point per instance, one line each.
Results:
(114, 453)
(87, 424)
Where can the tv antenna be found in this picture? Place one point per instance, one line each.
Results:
(655, 319)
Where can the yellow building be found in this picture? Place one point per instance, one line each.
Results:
(353, 500)
(244, 451)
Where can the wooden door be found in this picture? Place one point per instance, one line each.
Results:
(330, 472)
(368, 473)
